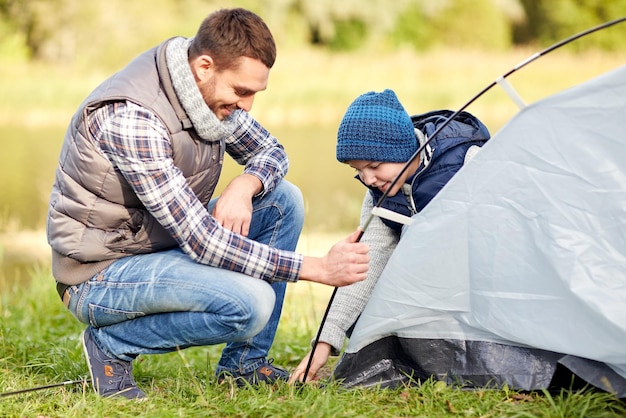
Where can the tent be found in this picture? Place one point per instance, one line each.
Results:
(517, 268)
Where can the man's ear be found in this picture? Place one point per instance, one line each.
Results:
(202, 67)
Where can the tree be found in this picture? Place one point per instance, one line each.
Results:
(458, 23)
(550, 21)
(112, 31)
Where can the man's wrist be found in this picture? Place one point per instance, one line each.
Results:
(248, 183)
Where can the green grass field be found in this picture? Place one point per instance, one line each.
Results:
(39, 345)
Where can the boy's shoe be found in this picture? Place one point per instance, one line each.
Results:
(109, 376)
(265, 373)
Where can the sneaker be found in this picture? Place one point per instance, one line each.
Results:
(265, 373)
(109, 376)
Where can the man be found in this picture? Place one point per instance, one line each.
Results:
(140, 252)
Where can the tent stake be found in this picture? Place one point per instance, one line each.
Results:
(54, 385)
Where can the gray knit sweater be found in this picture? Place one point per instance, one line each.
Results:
(350, 300)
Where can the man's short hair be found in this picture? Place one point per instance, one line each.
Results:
(228, 34)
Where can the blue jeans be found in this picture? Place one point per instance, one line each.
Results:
(160, 302)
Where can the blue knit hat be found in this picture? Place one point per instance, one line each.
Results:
(376, 128)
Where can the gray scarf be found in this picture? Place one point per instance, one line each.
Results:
(204, 121)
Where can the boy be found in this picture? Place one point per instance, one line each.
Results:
(377, 138)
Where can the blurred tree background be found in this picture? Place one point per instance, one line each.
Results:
(61, 30)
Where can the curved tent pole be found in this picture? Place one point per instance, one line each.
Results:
(499, 80)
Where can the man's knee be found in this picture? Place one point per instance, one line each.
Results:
(292, 199)
(261, 308)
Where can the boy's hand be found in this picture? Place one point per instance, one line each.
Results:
(322, 352)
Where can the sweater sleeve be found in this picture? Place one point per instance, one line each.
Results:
(350, 300)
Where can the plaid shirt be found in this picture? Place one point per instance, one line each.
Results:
(137, 144)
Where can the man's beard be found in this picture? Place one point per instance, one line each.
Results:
(208, 94)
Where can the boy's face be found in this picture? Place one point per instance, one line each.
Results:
(381, 174)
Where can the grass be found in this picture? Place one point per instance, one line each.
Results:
(39, 345)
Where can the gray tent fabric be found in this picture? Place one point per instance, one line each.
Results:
(518, 266)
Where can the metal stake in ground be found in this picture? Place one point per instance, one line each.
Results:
(53, 385)
(443, 125)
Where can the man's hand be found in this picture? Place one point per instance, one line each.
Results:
(346, 262)
(233, 209)
(322, 352)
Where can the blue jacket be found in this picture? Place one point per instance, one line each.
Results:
(447, 154)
